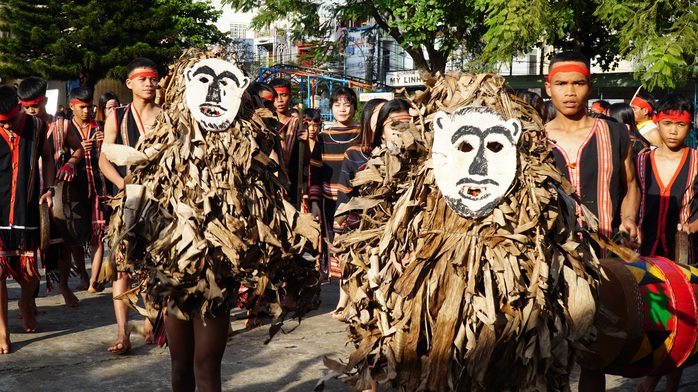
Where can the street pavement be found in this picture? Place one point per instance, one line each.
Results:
(69, 352)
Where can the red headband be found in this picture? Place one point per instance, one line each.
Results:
(11, 114)
(268, 95)
(675, 115)
(598, 107)
(399, 118)
(283, 90)
(569, 68)
(641, 103)
(32, 102)
(147, 74)
(79, 102)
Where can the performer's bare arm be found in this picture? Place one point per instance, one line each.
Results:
(49, 174)
(105, 166)
(65, 173)
(631, 202)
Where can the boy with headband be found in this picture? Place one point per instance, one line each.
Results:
(668, 177)
(124, 126)
(288, 128)
(88, 132)
(643, 106)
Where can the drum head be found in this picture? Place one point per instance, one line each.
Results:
(71, 212)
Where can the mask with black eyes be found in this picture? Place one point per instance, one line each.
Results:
(475, 158)
(214, 89)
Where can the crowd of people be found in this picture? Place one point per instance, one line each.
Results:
(628, 162)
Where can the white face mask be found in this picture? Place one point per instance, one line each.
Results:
(475, 158)
(214, 89)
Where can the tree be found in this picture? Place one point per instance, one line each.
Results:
(93, 39)
(428, 30)
(660, 36)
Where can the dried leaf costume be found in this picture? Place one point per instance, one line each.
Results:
(485, 303)
(202, 211)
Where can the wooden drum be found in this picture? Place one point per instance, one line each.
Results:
(646, 318)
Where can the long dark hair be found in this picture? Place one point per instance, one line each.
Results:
(365, 120)
(394, 106)
(624, 114)
(102, 105)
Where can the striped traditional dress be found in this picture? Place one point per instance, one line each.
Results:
(355, 159)
(326, 160)
(325, 168)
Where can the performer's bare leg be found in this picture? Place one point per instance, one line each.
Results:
(26, 303)
(63, 276)
(648, 384)
(180, 339)
(79, 256)
(373, 386)
(149, 337)
(208, 352)
(591, 381)
(4, 332)
(123, 338)
(338, 311)
(197, 351)
(673, 380)
(97, 255)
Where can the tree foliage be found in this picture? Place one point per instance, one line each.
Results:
(428, 30)
(93, 39)
(659, 36)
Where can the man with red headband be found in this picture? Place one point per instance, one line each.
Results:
(600, 107)
(668, 177)
(288, 129)
(89, 134)
(643, 106)
(22, 143)
(593, 157)
(67, 152)
(125, 125)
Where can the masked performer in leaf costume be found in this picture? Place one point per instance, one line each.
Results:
(202, 213)
(467, 272)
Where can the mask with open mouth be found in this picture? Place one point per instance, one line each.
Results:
(475, 158)
(214, 89)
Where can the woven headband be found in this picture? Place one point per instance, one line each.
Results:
(11, 114)
(675, 115)
(282, 90)
(32, 102)
(147, 74)
(569, 68)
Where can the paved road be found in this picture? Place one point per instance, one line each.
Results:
(69, 352)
